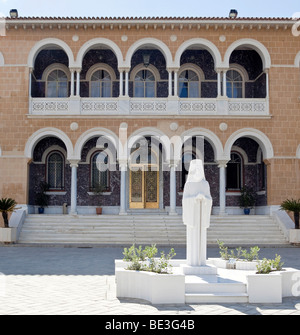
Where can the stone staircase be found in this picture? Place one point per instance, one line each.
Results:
(146, 229)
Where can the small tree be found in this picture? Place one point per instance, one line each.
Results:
(42, 198)
(7, 205)
(247, 198)
(292, 205)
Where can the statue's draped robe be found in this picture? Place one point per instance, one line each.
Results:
(196, 206)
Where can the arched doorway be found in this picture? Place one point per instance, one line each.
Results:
(144, 175)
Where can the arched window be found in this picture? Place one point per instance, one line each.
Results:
(99, 171)
(235, 84)
(57, 84)
(55, 171)
(101, 84)
(189, 84)
(234, 177)
(144, 84)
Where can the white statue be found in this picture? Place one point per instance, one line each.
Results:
(196, 206)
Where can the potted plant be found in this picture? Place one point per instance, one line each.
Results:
(7, 205)
(42, 198)
(98, 190)
(292, 205)
(265, 286)
(247, 199)
(7, 234)
(148, 277)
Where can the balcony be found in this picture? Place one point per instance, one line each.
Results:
(148, 107)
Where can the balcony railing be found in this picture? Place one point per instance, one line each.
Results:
(148, 106)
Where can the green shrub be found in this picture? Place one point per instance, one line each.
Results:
(145, 260)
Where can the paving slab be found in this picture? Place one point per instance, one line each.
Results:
(37, 280)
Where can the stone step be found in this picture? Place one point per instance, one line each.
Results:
(158, 229)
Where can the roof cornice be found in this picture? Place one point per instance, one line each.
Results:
(143, 22)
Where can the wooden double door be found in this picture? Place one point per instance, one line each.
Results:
(144, 186)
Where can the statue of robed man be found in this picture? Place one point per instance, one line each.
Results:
(196, 206)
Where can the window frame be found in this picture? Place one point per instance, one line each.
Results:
(55, 189)
(91, 185)
(244, 75)
(199, 73)
(241, 181)
(149, 68)
(99, 67)
(56, 67)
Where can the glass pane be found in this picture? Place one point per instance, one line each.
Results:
(62, 89)
(51, 89)
(136, 186)
(151, 186)
(95, 89)
(106, 89)
(150, 90)
(194, 89)
(237, 90)
(183, 90)
(99, 173)
(55, 171)
(139, 90)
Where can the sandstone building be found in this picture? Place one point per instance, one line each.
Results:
(121, 103)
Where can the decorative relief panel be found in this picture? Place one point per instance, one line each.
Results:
(148, 106)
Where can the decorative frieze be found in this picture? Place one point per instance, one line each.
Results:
(148, 106)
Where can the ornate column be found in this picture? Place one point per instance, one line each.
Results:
(74, 166)
(173, 166)
(72, 82)
(78, 82)
(224, 84)
(170, 83)
(176, 83)
(121, 83)
(126, 82)
(222, 186)
(123, 169)
(219, 83)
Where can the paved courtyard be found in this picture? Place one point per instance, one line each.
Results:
(80, 281)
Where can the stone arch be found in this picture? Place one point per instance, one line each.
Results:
(153, 42)
(150, 131)
(253, 44)
(209, 46)
(96, 41)
(256, 135)
(47, 132)
(211, 137)
(297, 152)
(1, 59)
(49, 42)
(94, 132)
(297, 60)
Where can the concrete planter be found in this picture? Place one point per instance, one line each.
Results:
(246, 265)
(153, 287)
(265, 288)
(295, 236)
(8, 235)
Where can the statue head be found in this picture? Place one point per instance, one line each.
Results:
(196, 171)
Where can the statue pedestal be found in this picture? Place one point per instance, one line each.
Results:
(198, 270)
